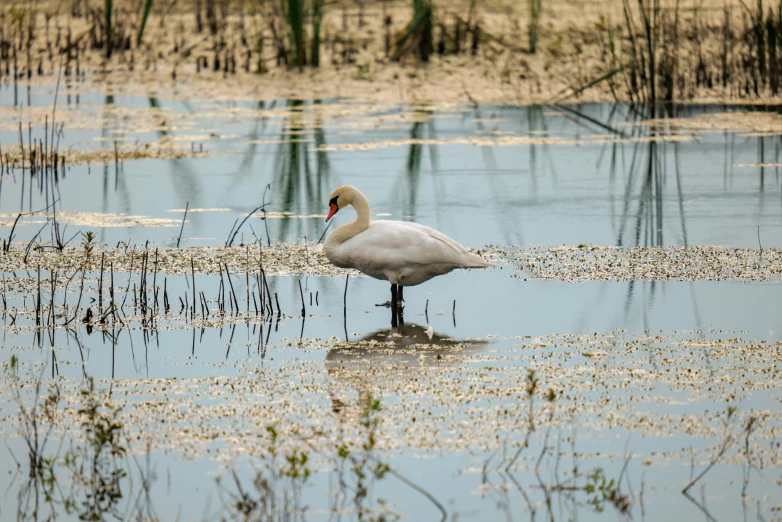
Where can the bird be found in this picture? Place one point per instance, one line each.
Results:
(400, 252)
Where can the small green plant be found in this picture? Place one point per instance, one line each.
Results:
(278, 485)
(97, 461)
(600, 489)
(17, 15)
(358, 469)
(87, 243)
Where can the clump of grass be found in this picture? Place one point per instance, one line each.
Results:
(97, 460)
(416, 38)
(295, 14)
(668, 54)
(284, 469)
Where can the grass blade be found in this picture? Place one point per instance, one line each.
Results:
(143, 24)
(108, 7)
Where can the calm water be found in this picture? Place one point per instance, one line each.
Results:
(493, 175)
(589, 176)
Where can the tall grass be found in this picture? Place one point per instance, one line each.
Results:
(143, 22)
(534, 22)
(658, 52)
(108, 7)
(295, 14)
(669, 54)
(416, 38)
(317, 16)
(643, 47)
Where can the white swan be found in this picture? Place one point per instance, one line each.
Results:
(403, 253)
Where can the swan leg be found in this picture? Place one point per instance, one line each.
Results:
(400, 293)
(394, 306)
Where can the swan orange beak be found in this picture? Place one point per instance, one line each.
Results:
(333, 208)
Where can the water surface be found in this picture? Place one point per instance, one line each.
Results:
(639, 369)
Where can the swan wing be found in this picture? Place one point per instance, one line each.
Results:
(468, 259)
(398, 252)
(436, 234)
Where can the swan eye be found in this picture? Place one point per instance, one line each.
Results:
(333, 201)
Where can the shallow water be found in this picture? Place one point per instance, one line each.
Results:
(636, 368)
(500, 175)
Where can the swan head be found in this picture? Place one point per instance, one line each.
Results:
(340, 198)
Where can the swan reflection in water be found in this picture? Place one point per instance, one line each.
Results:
(379, 362)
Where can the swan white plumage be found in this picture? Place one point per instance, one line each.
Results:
(402, 253)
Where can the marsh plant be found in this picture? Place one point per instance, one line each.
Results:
(276, 492)
(36, 423)
(90, 478)
(416, 38)
(600, 489)
(87, 244)
(572, 487)
(358, 469)
(665, 53)
(96, 460)
(533, 24)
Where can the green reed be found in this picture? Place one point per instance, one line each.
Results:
(143, 23)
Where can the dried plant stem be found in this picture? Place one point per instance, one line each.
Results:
(187, 206)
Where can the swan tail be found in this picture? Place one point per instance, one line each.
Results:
(476, 261)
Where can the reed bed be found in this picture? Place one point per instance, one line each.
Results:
(666, 52)
(649, 50)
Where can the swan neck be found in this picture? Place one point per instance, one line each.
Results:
(349, 230)
(361, 206)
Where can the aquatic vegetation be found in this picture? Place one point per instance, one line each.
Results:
(225, 357)
(607, 263)
(143, 23)
(87, 243)
(670, 53)
(86, 480)
(416, 38)
(533, 24)
(277, 485)
(440, 396)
